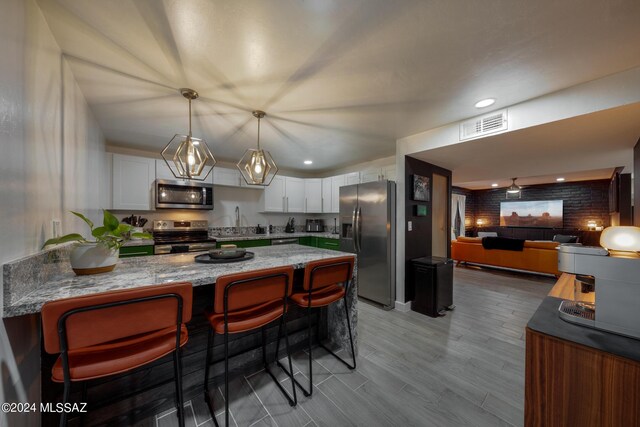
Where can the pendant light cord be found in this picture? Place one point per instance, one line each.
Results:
(189, 117)
(258, 133)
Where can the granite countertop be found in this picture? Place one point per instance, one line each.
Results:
(235, 238)
(139, 242)
(547, 320)
(141, 271)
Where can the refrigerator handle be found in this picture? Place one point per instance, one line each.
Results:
(354, 221)
(359, 228)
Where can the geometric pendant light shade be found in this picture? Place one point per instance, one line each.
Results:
(514, 191)
(257, 166)
(186, 156)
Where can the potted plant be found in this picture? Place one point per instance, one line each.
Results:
(101, 254)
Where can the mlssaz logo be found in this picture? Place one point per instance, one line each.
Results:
(63, 407)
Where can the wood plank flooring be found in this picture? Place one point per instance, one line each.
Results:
(464, 369)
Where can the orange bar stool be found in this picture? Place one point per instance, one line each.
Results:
(113, 332)
(325, 282)
(245, 302)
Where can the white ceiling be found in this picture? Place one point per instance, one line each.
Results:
(340, 80)
(580, 148)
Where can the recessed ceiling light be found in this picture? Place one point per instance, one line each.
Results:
(308, 162)
(560, 179)
(495, 184)
(485, 102)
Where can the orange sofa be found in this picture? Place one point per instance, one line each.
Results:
(540, 257)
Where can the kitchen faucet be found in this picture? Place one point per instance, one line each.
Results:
(237, 217)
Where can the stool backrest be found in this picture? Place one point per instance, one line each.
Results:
(327, 272)
(92, 327)
(253, 288)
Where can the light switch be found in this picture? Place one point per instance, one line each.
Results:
(409, 225)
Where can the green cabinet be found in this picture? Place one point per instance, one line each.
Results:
(325, 243)
(246, 243)
(131, 251)
(308, 241)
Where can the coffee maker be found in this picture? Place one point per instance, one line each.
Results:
(615, 278)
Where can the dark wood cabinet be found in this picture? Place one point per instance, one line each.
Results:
(569, 384)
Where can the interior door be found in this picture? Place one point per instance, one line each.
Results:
(440, 216)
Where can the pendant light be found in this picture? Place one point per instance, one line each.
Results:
(188, 157)
(514, 190)
(257, 166)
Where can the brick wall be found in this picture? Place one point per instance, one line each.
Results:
(582, 201)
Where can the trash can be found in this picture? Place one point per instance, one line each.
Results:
(433, 285)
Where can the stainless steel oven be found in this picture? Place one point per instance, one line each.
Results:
(183, 195)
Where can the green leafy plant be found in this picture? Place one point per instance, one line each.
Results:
(111, 233)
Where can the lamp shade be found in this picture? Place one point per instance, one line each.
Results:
(622, 238)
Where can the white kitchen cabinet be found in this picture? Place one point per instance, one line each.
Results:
(274, 195)
(132, 180)
(352, 178)
(336, 183)
(370, 175)
(326, 194)
(313, 195)
(163, 172)
(389, 172)
(378, 174)
(226, 177)
(294, 193)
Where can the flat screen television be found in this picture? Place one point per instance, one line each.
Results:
(539, 213)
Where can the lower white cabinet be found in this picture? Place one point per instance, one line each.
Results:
(313, 195)
(133, 179)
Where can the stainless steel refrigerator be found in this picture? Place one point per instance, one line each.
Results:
(368, 229)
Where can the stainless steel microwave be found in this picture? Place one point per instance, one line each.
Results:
(183, 195)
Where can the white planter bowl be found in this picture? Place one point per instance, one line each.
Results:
(92, 258)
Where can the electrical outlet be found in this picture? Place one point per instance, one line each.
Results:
(409, 225)
(56, 228)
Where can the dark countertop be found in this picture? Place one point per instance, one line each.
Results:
(547, 320)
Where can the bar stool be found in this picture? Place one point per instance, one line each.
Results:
(325, 282)
(245, 302)
(113, 332)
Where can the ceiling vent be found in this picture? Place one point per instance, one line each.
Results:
(484, 125)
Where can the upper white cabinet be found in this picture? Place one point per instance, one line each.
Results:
(326, 194)
(284, 194)
(336, 183)
(133, 179)
(378, 174)
(313, 195)
(352, 178)
(163, 172)
(294, 192)
(274, 196)
(227, 177)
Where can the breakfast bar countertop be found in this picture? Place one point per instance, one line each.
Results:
(142, 271)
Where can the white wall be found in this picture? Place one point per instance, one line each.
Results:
(52, 159)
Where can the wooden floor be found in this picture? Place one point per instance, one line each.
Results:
(466, 368)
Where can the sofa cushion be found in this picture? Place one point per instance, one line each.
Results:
(540, 245)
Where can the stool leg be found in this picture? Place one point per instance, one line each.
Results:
(83, 398)
(207, 396)
(310, 356)
(290, 371)
(226, 377)
(353, 353)
(293, 401)
(177, 368)
(65, 399)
